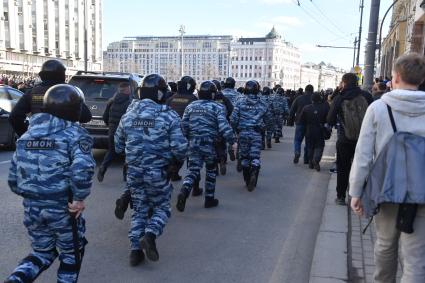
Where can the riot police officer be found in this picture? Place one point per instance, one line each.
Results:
(221, 147)
(151, 136)
(247, 119)
(204, 121)
(229, 90)
(52, 73)
(55, 154)
(178, 102)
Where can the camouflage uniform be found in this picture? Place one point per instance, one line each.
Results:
(269, 100)
(247, 119)
(231, 94)
(53, 159)
(151, 137)
(281, 110)
(203, 122)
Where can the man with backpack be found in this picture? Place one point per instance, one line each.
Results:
(348, 109)
(390, 156)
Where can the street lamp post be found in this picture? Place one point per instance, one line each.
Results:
(182, 32)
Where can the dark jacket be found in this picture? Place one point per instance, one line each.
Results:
(220, 98)
(180, 101)
(297, 107)
(336, 113)
(378, 94)
(116, 107)
(32, 102)
(313, 116)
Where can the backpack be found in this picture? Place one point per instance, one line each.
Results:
(353, 111)
(396, 176)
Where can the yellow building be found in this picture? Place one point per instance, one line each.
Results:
(406, 33)
(394, 44)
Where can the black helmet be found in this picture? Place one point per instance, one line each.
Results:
(240, 90)
(186, 85)
(173, 86)
(217, 84)
(64, 101)
(266, 90)
(53, 70)
(229, 82)
(153, 87)
(208, 90)
(252, 87)
(280, 91)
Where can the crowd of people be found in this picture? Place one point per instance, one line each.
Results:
(19, 82)
(165, 125)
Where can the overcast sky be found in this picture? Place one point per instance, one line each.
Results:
(325, 22)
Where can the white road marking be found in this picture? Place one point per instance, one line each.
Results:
(5, 162)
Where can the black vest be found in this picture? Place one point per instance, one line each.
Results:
(179, 102)
(37, 94)
(118, 108)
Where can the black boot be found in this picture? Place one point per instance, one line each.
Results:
(124, 172)
(296, 158)
(239, 165)
(269, 144)
(136, 257)
(101, 173)
(175, 177)
(210, 202)
(276, 140)
(121, 204)
(311, 165)
(232, 155)
(246, 175)
(181, 202)
(223, 168)
(196, 191)
(149, 245)
(253, 178)
(316, 166)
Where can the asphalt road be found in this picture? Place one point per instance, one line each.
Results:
(264, 236)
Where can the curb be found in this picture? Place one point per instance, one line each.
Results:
(330, 260)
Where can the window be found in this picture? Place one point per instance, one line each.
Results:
(14, 94)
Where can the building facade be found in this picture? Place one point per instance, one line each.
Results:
(204, 57)
(269, 60)
(32, 31)
(406, 33)
(321, 76)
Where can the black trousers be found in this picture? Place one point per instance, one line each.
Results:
(344, 157)
(316, 145)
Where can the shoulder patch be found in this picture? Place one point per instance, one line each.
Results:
(40, 144)
(85, 145)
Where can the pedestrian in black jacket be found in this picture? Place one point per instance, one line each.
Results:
(115, 109)
(294, 116)
(346, 141)
(313, 117)
(52, 73)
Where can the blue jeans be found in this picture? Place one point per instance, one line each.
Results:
(298, 140)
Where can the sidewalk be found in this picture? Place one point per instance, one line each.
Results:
(343, 253)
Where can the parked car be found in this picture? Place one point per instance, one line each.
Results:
(98, 88)
(8, 99)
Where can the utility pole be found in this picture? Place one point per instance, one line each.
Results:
(360, 32)
(182, 32)
(371, 44)
(354, 56)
